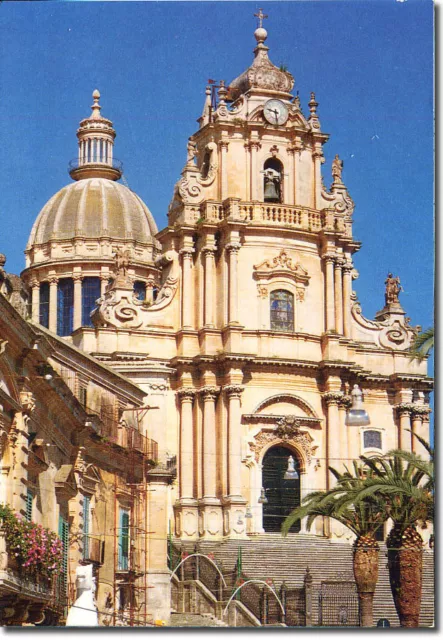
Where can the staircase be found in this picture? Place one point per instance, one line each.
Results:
(195, 620)
(269, 556)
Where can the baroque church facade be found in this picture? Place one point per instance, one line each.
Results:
(238, 320)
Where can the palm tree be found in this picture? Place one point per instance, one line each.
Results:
(422, 345)
(405, 483)
(363, 520)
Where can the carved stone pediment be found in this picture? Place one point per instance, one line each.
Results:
(298, 439)
(281, 265)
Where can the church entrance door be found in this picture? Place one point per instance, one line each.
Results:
(283, 495)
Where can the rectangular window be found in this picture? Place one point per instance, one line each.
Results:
(65, 306)
(44, 304)
(29, 504)
(91, 292)
(123, 540)
(86, 516)
(372, 439)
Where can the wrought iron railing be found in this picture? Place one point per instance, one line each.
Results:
(77, 163)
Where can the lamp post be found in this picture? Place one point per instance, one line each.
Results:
(357, 416)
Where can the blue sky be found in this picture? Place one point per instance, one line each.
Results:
(369, 62)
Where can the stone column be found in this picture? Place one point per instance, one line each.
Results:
(404, 416)
(209, 395)
(35, 285)
(233, 248)
(223, 145)
(254, 145)
(53, 282)
(186, 397)
(104, 280)
(347, 290)
(186, 255)
(332, 401)
(209, 253)
(329, 291)
(318, 159)
(419, 416)
(158, 575)
(233, 393)
(78, 279)
(338, 295)
(345, 455)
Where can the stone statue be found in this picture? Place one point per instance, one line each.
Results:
(121, 262)
(83, 612)
(337, 168)
(192, 151)
(393, 289)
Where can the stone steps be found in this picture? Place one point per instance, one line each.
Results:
(285, 559)
(195, 620)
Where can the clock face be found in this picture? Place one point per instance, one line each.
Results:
(275, 112)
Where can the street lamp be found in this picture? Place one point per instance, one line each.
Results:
(291, 473)
(357, 416)
(262, 499)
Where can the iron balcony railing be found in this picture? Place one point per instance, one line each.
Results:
(79, 163)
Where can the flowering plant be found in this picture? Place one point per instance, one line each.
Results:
(37, 550)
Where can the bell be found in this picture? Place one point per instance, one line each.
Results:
(271, 194)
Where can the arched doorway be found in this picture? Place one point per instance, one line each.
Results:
(282, 495)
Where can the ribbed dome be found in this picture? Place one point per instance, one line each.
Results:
(93, 208)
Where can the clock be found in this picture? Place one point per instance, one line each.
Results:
(275, 112)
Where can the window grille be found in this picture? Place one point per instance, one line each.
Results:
(282, 311)
(29, 504)
(44, 304)
(140, 290)
(372, 440)
(86, 514)
(123, 540)
(63, 534)
(91, 292)
(65, 306)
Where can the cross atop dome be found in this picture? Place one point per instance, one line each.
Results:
(261, 16)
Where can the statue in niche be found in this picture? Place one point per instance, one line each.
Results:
(393, 289)
(337, 168)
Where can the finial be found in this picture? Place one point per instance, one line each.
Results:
(222, 92)
(96, 107)
(313, 104)
(260, 33)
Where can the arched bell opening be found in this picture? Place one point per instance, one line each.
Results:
(281, 469)
(273, 180)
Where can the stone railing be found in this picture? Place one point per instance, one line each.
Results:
(269, 214)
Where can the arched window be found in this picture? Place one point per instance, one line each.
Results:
(140, 290)
(282, 310)
(91, 291)
(273, 180)
(65, 306)
(44, 304)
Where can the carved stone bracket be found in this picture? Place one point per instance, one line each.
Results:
(27, 401)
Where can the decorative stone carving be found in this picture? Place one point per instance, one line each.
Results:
(119, 306)
(186, 394)
(233, 390)
(209, 393)
(262, 291)
(281, 265)
(332, 397)
(389, 330)
(297, 439)
(27, 401)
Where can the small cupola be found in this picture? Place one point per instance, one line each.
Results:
(96, 137)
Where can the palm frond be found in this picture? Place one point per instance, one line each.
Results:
(422, 345)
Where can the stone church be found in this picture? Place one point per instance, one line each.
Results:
(239, 319)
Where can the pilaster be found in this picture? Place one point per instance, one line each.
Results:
(53, 283)
(77, 320)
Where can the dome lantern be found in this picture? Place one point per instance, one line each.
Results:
(96, 137)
